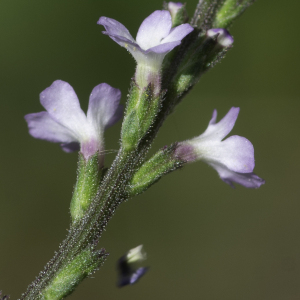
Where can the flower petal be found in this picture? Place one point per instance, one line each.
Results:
(132, 277)
(137, 274)
(42, 126)
(62, 104)
(104, 109)
(115, 28)
(153, 29)
(163, 48)
(217, 131)
(132, 47)
(236, 153)
(248, 180)
(178, 33)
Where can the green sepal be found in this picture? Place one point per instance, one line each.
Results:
(205, 14)
(229, 11)
(161, 163)
(141, 111)
(87, 184)
(180, 17)
(218, 13)
(71, 274)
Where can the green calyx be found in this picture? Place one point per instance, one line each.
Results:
(180, 17)
(88, 179)
(229, 11)
(218, 13)
(201, 54)
(142, 109)
(161, 163)
(66, 280)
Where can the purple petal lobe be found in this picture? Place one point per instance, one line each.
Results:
(217, 131)
(213, 119)
(163, 48)
(122, 41)
(115, 28)
(178, 33)
(236, 153)
(63, 106)
(153, 29)
(104, 108)
(42, 126)
(248, 180)
(137, 275)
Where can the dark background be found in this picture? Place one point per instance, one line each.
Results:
(204, 240)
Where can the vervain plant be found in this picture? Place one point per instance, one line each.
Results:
(172, 52)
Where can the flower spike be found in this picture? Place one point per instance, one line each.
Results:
(232, 158)
(155, 38)
(64, 121)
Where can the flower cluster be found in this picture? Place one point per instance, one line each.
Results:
(66, 123)
(97, 194)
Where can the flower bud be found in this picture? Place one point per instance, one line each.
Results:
(222, 36)
(178, 13)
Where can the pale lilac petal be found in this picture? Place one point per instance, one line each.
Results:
(213, 119)
(163, 48)
(116, 117)
(249, 180)
(115, 28)
(62, 103)
(178, 33)
(122, 41)
(104, 107)
(42, 126)
(153, 29)
(133, 48)
(236, 153)
(217, 131)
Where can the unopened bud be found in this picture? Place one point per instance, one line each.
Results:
(222, 36)
(178, 13)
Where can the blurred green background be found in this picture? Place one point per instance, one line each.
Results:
(204, 240)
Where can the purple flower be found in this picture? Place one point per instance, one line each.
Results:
(64, 121)
(128, 272)
(155, 38)
(224, 38)
(232, 158)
